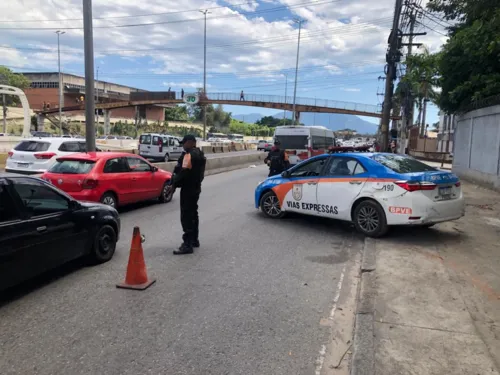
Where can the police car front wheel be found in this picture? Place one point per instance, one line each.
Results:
(270, 205)
(369, 219)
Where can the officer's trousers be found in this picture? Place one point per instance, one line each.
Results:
(189, 214)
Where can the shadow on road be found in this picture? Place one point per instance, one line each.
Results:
(32, 285)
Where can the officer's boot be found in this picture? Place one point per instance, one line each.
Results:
(184, 249)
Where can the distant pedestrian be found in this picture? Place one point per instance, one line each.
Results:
(182, 93)
(242, 96)
(169, 89)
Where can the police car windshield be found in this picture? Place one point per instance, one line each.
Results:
(292, 142)
(402, 164)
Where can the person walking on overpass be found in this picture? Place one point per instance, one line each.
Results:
(277, 160)
(189, 179)
(242, 96)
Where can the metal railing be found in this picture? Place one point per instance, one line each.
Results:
(313, 102)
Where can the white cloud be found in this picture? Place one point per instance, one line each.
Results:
(349, 89)
(192, 85)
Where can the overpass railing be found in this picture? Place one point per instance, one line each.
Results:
(369, 108)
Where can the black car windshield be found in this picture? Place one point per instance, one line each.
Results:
(72, 167)
(402, 164)
(32, 146)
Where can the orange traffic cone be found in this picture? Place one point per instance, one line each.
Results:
(137, 276)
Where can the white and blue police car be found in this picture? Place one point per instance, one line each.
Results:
(372, 190)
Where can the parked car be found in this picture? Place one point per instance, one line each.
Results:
(264, 145)
(37, 155)
(41, 134)
(112, 178)
(41, 228)
(159, 147)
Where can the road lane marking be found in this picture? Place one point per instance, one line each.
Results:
(321, 358)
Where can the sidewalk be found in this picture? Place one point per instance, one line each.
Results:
(433, 297)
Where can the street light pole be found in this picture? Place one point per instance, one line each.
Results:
(59, 33)
(88, 37)
(299, 21)
(205, 12)
(97, 95)
(286, 88)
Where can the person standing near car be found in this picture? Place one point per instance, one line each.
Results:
(277, 160)
(189, 179)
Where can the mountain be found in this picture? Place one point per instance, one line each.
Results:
(251, 118)
(334, 121)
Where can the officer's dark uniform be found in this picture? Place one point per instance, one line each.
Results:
(277, 160)
(189, 179)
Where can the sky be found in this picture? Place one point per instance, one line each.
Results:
(251, 46)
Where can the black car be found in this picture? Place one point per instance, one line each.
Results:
(42, 227)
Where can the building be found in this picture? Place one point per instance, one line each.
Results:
(44, 89)
(446, 132)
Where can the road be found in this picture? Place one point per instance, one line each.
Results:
(252, 300)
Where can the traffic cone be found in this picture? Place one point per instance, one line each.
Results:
(137, 276)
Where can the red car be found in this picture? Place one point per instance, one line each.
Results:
(112, 178)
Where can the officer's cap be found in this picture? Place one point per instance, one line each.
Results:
(188, 137)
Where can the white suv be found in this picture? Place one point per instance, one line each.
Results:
(36, 155)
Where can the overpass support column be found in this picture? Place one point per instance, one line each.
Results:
(107, 117)
(297, 117)
(40, 121)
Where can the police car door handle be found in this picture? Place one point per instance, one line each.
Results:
(312, 183)
(355, 182)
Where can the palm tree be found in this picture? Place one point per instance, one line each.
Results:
(422, 80)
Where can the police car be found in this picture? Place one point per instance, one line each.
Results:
(373, 190)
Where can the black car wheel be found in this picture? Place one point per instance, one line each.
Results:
(270, 205)
(369, 219)
(109, 199)
(166, 159)
(167, 193)
(104, 244)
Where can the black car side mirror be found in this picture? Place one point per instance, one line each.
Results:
(74, 205)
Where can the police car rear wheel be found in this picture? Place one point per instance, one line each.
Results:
(369, 219)
(270, 205)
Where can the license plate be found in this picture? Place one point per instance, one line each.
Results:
(445, 193)
(23, 165)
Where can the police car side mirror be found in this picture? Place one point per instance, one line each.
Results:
(285, 174)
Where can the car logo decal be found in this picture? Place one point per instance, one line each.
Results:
(297, 192)
(60, 181)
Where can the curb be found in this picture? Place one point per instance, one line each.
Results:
(363, 358)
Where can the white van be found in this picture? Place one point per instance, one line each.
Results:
(159, 147)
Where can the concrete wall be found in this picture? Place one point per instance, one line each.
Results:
(477, 146)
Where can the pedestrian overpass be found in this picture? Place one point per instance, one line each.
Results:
(252, 100)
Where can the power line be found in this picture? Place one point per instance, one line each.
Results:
(131, 16)
(276, 9)
(338, 30)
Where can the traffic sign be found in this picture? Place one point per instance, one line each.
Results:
(191, 99)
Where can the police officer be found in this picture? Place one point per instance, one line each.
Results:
(277, 160)
(189, 179)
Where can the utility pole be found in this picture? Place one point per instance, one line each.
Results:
(205, 12)
(88, 37)
(4, 113)
(286, 89)
(299, 21)
(61, 89)
(424, 110)
(97, 95)
(392, 58)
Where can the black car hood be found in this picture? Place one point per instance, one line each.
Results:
(97, 206)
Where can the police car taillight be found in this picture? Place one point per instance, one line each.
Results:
(415, 185)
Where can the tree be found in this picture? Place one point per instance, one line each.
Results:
(469, 63)
(7, 77)
(177, 113)
(273, 121)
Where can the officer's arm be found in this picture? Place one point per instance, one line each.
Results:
(285, 158)
(268, 157)
(185, 169)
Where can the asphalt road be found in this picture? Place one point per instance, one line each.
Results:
(249, 301)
